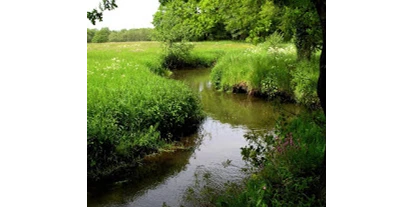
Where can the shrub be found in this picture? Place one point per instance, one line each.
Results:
(305, 81)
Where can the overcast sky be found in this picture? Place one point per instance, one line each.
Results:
(129, 14)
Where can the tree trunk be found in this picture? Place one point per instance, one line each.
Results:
(321, 9)
(302, 42)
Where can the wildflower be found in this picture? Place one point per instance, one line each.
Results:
(279, 149)
(264, 187)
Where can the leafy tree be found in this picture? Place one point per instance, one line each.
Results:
(115, 36)
(102, 35)
(269, 17)
(302, 23)
(177, 21)
(91, 34)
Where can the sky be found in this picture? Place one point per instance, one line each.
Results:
(129, 14)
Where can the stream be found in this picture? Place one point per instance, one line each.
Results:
(219, 139)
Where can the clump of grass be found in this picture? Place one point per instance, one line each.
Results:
(270, 70)
(132, 110)
(258, 70)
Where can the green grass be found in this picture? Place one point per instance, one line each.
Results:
(132, 110)
(269, 71)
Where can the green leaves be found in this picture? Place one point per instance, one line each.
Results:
(95, 15)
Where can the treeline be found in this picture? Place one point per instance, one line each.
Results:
(249, 20)
(106, 35)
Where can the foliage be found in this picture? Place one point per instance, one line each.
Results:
(131, 35)
(171, 22)
(91, 34)
(101, 35)
(177, 55)
(98, 15)
(252, 21)
(288, 165)
(302, 23)
(248, 20)
(305, 81)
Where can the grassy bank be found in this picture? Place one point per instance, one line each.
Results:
(270, 71)
(132, 109)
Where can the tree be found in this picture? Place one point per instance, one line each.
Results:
(172, 23)
(91, 34)
(302, 23)
(102, 35)
(321, 9)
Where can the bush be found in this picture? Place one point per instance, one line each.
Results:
(285, 168)
(288, 163)
(305, 81)
(177, 55)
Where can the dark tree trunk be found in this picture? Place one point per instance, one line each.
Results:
(302, 42)
(321, 9)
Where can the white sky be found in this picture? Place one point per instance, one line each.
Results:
(129, 14)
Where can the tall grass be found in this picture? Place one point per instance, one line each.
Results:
(132, 110)
(270, 71)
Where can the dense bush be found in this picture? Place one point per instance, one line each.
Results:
(305, 81)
